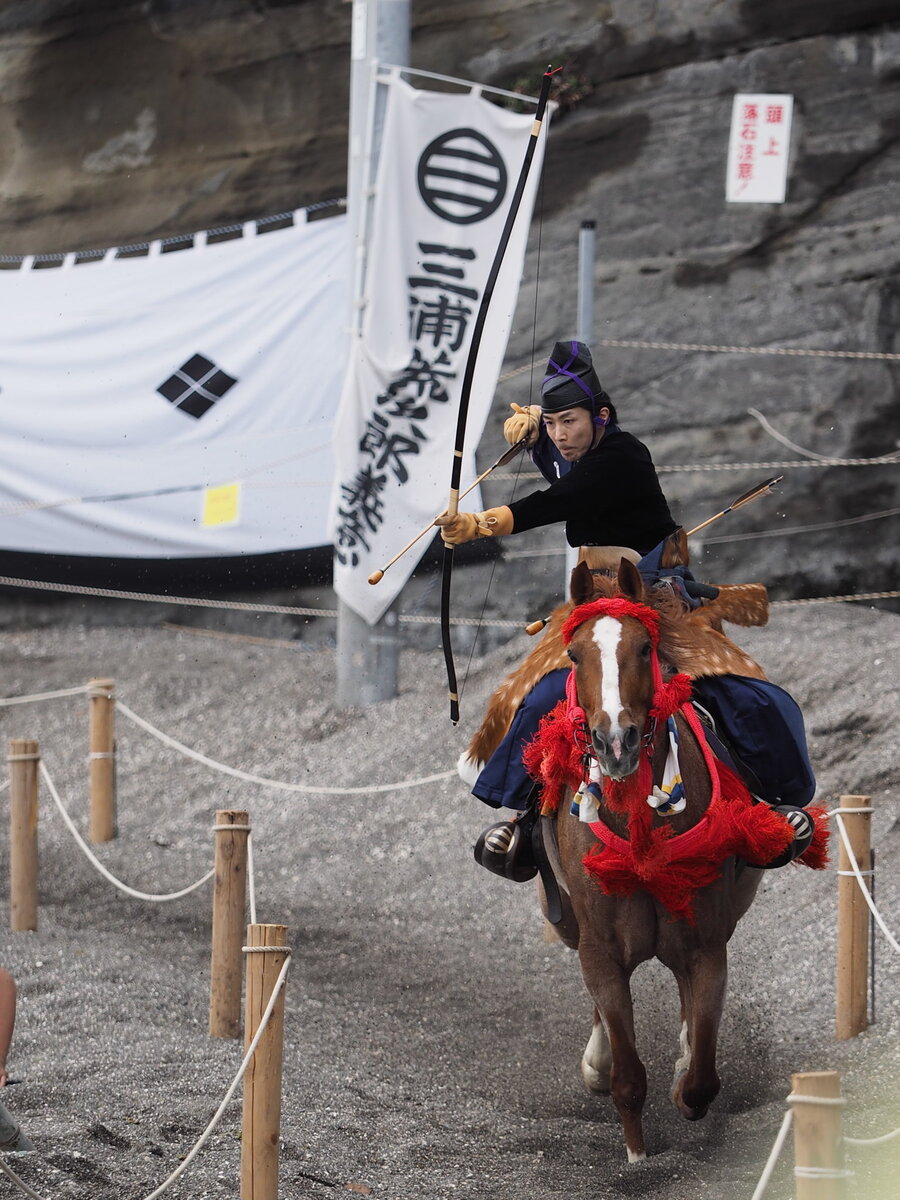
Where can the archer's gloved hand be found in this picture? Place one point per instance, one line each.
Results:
(465, 527)
(526, 422)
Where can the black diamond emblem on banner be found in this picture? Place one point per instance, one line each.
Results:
(196, 386)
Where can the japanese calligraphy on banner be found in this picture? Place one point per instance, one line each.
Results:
(758, 149)
(443, 189)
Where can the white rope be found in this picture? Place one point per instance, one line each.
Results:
(780, 437)
(95, 862)
(280, 784)
(859, 879)
(251, 880)
(74, 691)
(873, 1141)
(822, 1173)
(217, 1116)
(20, 1183)
(251, 1050)
(773, 1155)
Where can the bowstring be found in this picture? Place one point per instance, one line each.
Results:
(521, 458)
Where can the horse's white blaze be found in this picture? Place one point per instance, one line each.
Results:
(607, 634)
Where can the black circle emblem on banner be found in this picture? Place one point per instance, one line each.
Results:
(462, 176)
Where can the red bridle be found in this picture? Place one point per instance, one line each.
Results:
(667, 697)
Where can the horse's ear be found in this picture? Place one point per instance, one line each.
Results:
(675, 550)
(581, 586)
(631, 585)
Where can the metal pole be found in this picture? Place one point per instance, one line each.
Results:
(368, 655)
(584, 328)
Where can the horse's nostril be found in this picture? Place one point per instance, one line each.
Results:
(632, 738)
(601, 741)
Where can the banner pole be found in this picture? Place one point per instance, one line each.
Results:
(368, 656)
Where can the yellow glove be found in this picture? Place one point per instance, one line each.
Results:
(465, 527)
(526, 422)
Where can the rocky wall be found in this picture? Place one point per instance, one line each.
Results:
(125, 121)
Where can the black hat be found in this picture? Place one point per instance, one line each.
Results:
(571, 381)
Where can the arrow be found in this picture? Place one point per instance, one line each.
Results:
(761, 489)
(505, 457)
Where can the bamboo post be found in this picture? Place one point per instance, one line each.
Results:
(816, 1102)
(229, 900)
(267, 951)
(853, 920)
(23, 761)
(102, 759)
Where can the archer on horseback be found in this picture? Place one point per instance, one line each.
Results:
(604, 486)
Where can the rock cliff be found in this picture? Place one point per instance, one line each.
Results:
(126, 121)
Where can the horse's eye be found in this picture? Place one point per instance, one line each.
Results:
(645, 650)
(572, 655)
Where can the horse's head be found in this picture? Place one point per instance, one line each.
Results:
(613, 656)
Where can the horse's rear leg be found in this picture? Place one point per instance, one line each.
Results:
(608, 984)
(702, 990)
(596, 1062)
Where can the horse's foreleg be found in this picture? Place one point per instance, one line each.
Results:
(608, 984)
(702, 997)
(596, 1062)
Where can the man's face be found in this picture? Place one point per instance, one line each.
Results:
(571, 431)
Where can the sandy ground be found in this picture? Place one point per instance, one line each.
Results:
(432, 1035)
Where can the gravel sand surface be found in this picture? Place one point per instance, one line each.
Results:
(432, 1036)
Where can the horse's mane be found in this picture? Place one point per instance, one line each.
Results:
(690, 641)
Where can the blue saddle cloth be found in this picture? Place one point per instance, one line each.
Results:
(760, 726)
(763, 725)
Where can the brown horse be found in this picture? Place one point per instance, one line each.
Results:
(615, 927)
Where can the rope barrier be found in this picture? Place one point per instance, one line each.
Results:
(20, 1183)
(245, 1062)
(251, 879)
(813, 1172)
(773, 1155)
(217, 1116)
(859, 878)
(95, 862)
(703, 348)
(281, 785)
(294, 610)
(58, 695)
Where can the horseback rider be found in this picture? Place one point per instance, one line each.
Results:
(604, 485)
(602, 480)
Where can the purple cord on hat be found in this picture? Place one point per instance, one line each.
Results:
(570, 374)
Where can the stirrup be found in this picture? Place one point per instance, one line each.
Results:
(506, 850)
(802, 824)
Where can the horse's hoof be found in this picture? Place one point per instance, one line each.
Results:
(636, 1156)
(690, 1112)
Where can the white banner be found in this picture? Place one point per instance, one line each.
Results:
(175, 405)
(448, 168)
(758, 148)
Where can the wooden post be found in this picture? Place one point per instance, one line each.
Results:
(853, 920)
(262, 1082)
(818, 1151)
(229, 900)
(23, 833)
(102, 759)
